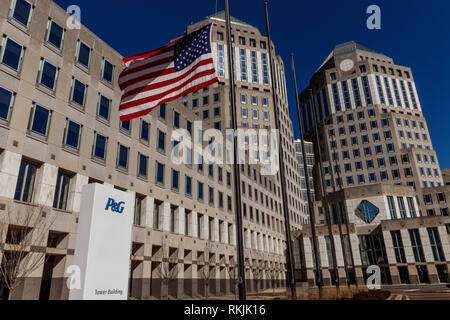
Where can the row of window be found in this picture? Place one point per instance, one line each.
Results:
(21, 11)
(417, 247)
(242, 40)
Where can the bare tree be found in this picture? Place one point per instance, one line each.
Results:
(168, 270)
(208, 266)
(21, 231)
(270, 275)
(258, 274)
(233, 274)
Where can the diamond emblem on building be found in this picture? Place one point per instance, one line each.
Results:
(366, 211)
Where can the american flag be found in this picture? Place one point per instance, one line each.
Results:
(165, 74)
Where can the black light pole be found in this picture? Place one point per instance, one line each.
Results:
(289, 252)
(308, 188)
(236, 172)
(324, 191)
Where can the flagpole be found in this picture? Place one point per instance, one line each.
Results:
(289, 253)
(308, 188)
(236, 172)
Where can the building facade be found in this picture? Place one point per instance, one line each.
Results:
(60, 130)
(385, 187)
(310, 165)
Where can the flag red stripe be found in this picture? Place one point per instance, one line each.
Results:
(163, 83)
(167, 61)
(160, 95)
(185, 92)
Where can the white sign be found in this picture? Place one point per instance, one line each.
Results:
(103, 244)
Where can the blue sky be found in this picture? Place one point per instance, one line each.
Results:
(415, 33)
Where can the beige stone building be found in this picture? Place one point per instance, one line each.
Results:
(60, 130)
(386, 190)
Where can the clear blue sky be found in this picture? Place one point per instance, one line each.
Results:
(415, 33)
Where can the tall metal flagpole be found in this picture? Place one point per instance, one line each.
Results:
(308, 188)
(324, 192)
(289, 253)
(236, 172)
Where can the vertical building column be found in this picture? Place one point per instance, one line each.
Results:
(179, 221)
(339, 251)
(225, 232)
(426, 245)
(149, 207)
(205, 227)
(77, 183)
(233, 235)
(45, 185)
(216, 230)
(165, 216)
(193, 224)
(9, 170)
(323, 251)
(247, 240)
(260, 242)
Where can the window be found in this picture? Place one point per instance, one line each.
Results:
(159, 173)
(161, 140)
(398, 246)
(12, 54)
(72, 135)
(436, 245)
(78, 92)
(99, 147)
(142, 166)
(416, 245)
(205, 114)
(84, 54)
(392, 207)
(6, 104)
(144, 132)
(200, 190)
(367, 90)
(242, 41)
(175, 179)
(219, 36)
(108, 71)
(188, 186)
(25, 181)
(125, 126)
(401, 207)
(243, 56)
(254, 67)
(55, 34)
(412, 210)
(39, 120)
(176, 119)
(162, 111)
(122, 156)
(205, 100)
(61, 191)
(22, 12)
(47, 75)
(104, 105)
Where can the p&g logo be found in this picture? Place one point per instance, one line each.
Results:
(114, 206)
